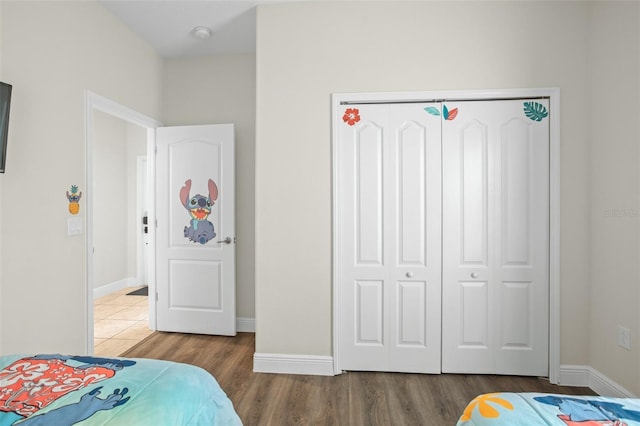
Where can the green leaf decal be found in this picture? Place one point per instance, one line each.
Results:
(432, 110)
(535, 111)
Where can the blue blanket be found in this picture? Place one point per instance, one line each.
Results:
(65, 390)
(532, 409)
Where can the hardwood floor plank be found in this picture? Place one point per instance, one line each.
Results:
(350, 399)
(372, 394)
(254, 403)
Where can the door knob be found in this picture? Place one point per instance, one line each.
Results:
(474, 275)
(225, 241)
(409, 274)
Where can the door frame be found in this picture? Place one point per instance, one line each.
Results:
(339, 100)
(94, 102)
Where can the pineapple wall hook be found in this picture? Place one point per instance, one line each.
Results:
(74, 197)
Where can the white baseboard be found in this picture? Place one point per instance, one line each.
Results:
(293, 364)
(247, 325)
(103, 290)
(570, 375)
(585, 376)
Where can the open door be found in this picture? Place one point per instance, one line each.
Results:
(195, 229)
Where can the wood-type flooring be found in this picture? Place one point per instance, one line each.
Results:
(353, 398)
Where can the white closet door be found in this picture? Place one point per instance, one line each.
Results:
(389, 233)
(496, 238)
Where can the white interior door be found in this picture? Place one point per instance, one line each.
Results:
(388, 231)
(195, 234)
(496, 238)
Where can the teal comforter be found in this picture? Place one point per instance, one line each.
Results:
(531, 409)
(65, 390)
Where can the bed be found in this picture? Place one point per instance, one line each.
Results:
(64, 390)
(532, 409)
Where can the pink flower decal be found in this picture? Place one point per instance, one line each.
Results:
(351, 116)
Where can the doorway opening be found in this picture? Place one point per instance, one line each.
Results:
(119, 251)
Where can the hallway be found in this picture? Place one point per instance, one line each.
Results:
(120, 321)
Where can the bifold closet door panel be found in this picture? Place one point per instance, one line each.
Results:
(522, 245)
(468, 191)
(362, 279)
(495, 239)
(415, 273)
(389, 206)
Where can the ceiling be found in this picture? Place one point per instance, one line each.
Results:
(167, 25)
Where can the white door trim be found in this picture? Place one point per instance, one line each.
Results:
(553, 94)
(94, 102)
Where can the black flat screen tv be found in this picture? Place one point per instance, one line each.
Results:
(5, 106)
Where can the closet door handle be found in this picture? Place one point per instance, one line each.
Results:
(474, 275)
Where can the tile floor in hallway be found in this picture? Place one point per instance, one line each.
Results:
(120, 321)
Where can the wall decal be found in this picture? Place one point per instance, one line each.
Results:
(200, 230)
(433, 110)
(74, 198)
(535, 111)
(446, 114)
(351, 116)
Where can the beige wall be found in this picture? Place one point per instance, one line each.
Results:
(221, 89)
(307, 51)
(110, 207)
(614, 114)
(51, 53)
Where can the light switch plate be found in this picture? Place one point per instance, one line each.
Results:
(624, 337)
(75, 226)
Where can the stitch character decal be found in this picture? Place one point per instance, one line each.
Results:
(200, 230)
(74, 198)
(31, 384)
(592, 412)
